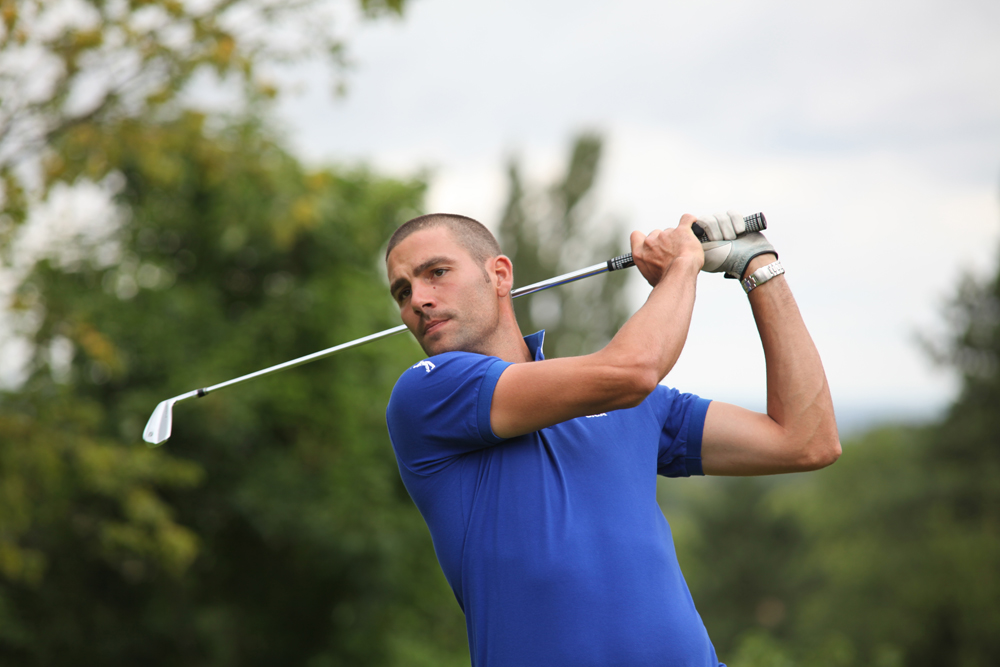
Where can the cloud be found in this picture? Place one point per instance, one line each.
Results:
(868, 132)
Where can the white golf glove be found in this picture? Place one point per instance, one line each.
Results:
(726, 251)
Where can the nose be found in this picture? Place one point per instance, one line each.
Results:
(422, 296)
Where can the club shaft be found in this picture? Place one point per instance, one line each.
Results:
(306, 359)
(570, 277)
(754, 222)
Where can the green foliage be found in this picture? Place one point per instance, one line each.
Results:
(97, 62)
(50, 447)
(736, 555)
(871, 562)
(968, 437)
(272, 527)
(551, 231)
(889, 557)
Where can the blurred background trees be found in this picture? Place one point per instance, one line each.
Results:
(276, 531)
(889, 557)
(549, 230)
(273, 527)
(77, 64)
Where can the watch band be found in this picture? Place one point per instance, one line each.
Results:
(761, 276)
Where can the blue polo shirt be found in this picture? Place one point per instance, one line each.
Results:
(552, 541)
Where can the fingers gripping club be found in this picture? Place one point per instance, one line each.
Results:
(753, 223)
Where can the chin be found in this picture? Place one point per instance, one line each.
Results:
(433, 347)
(442, 345)
(430, 351)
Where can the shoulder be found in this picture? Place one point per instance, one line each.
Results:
(440, 407)
(444, 378)
(441, 369)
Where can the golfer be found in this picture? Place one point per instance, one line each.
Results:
(537, 478)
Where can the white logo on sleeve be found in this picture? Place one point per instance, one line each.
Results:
(601, 414)
(426, 364)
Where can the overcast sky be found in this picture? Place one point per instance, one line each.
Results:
(867, 132)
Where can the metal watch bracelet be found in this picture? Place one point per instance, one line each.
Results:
(761, 276)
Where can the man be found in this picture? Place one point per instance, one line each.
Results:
(537, 478)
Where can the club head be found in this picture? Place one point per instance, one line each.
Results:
(158, 427)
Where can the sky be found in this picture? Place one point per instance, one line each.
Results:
(867, 132)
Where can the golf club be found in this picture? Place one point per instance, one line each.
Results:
(161, 421)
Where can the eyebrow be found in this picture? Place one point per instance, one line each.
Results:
(399, 282)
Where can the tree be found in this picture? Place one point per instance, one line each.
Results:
(273, 528)
(547, 231)
(887, 558)
(97, 62)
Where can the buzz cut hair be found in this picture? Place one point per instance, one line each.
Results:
(471, 234)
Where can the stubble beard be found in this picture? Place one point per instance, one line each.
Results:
(474, 332)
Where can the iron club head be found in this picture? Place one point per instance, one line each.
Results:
(158, 427)
(160, 422)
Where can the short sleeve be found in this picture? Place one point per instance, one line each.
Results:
(440, 409)
(683, 421)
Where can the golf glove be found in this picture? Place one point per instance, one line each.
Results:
(729, 249)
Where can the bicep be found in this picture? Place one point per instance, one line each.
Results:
(737, 441)
(534, 395)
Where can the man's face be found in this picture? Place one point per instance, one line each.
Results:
(445, 298)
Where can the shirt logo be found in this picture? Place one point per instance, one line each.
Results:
(427, 365)
(602, 414)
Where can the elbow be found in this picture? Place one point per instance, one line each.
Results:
(645, 384)
(820, 451)
(819, 440)
(635, 386)
(621, 382)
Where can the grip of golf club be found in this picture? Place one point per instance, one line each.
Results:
(754, 223)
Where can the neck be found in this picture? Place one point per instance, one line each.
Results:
(513, 348)
(508, 342)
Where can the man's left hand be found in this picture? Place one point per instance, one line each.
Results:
(726, 251)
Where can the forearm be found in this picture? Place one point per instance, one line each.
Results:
(649, 344)
(798, 396)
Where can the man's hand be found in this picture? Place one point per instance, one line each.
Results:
(725, 252)
(656, 253)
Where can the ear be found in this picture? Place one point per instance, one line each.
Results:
(501, 273)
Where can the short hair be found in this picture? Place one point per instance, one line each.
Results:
(471, 234)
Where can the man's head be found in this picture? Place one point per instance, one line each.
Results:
(451, 284)
(471, 234)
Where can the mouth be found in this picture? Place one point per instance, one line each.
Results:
(433, 325)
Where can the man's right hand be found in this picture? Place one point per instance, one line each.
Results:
(654, 254)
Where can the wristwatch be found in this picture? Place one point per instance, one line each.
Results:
(761, 276)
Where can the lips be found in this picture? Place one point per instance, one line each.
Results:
(433, 325)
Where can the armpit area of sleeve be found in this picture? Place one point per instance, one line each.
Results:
(696, 428)
(483, 407)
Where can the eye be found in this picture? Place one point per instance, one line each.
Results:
(439, 272)
(402, 295)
